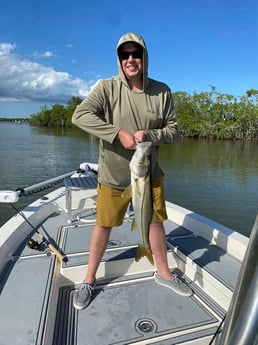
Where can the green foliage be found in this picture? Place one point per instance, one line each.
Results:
(219, 116)
(201, 115)
(13, 119)
(252, 92)
(57, 116)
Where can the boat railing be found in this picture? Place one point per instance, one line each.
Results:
(242, 318)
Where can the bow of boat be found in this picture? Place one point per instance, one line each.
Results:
(128, 306)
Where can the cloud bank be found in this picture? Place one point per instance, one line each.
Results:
(23, 80)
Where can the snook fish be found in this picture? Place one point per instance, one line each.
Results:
(141, 193)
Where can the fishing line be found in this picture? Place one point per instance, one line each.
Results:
(22, 215)
(44, 239)
(217, 331)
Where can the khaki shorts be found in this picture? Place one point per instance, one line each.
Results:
(112, 206)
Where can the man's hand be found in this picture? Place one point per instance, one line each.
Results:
(139, 136)
(126, 139)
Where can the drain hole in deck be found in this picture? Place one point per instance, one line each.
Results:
(113, 243)
(145, 326)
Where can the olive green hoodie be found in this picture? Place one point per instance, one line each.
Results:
(112, 106)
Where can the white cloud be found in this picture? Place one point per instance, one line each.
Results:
(23, 80)
(46, 54)
(6, 48)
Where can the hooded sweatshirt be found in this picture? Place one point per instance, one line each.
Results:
(112, 106)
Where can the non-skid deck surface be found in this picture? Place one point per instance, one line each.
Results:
(123, 311)
(210, 257)
(131, 312)
(24, 299)
(77, 240)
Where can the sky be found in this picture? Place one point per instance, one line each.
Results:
(52, 50)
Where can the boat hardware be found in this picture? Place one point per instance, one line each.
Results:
(145, 326)
(113, 243)
(9, 196)
(242, 318)
(180, 237)
(46, 184)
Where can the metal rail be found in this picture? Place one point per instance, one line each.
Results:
(241, 323)
(45, 184)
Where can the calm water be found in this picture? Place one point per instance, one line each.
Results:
(218, 179)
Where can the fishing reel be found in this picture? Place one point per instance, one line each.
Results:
(40, 246)
(33, 244)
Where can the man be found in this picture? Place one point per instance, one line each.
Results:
(122, 111)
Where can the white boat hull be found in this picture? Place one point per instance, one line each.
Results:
(129, 308)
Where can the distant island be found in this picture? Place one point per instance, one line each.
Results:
(209, 115)
(14, 119)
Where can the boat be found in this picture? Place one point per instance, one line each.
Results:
(44, 256)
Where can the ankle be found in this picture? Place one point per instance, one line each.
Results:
(165, 275)
(89, 280)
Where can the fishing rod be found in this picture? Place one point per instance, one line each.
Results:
(8, 196)
(33, 244)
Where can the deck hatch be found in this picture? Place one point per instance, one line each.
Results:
(77, 239)
(130, 312)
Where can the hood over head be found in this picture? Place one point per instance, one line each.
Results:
(135, 38)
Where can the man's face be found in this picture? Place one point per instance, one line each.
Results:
(132, 64)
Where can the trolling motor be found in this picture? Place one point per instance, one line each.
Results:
(9, 196)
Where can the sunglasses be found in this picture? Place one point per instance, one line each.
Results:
(136, 54)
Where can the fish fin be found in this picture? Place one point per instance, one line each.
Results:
(134, 225)
(137, 187)
(127, 193)
(142, 251)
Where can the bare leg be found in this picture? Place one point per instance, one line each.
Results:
(159, 249)
(98, 243)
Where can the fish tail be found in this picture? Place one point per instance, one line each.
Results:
(143, 251)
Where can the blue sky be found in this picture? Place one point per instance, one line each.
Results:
(52, 50)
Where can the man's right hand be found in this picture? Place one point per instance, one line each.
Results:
(126, 139)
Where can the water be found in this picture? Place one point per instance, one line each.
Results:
(217, 179)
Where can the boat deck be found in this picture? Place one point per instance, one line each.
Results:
(128, 306)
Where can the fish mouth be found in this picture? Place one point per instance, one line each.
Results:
(144, 143)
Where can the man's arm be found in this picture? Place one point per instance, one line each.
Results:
(89, 116)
